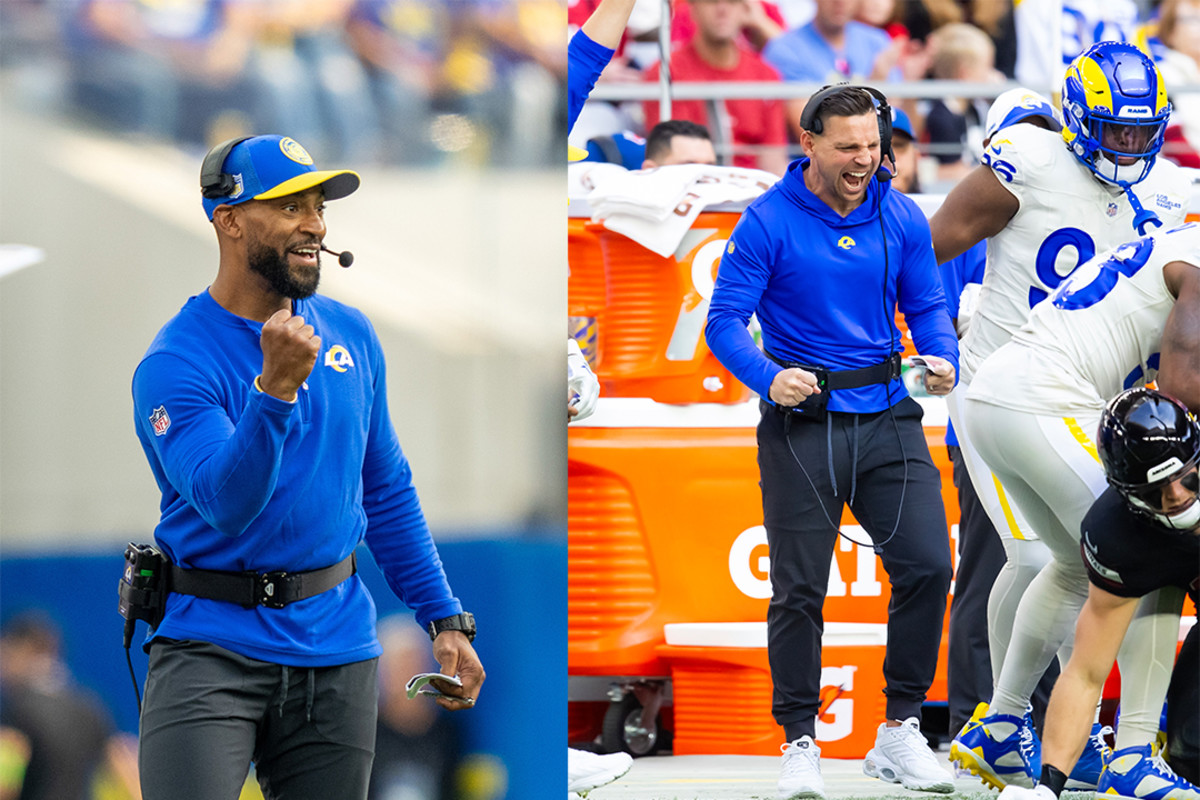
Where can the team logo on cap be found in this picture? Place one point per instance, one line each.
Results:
(339, 358)
(238, 186)
(292, 149)
(160, 420)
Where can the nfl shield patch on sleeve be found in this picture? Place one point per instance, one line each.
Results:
(160, 420)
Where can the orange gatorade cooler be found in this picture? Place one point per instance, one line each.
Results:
(653, 326)
(722, 688)
(586, 291)
(665, 526)
(655, 515)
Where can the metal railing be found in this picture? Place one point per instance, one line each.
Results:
(666, 91)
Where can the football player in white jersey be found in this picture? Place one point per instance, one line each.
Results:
(981, 553)
(1052, 33)
(1129, 316)
(1048, 202)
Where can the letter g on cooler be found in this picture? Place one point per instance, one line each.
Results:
(749, 567)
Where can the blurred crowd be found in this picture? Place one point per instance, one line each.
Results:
(58, 740)
(413, 82)
(976, 42)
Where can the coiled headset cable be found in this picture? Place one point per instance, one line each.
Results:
(894, 334)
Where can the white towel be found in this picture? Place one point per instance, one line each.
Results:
(656, 207)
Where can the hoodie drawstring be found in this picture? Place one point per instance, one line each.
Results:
(310, 692)
(854, 462)
(283, 689)
(829, 450)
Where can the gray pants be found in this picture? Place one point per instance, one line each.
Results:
(209, 712)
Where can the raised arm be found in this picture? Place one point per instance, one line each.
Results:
(976, 208)
(608, 21)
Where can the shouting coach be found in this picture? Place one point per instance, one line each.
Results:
(824, 258)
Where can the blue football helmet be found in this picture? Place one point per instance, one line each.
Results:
(1114, 88)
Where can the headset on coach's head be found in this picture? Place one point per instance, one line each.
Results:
(811, 121)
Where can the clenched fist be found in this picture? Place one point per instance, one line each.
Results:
(792, 386)
(290, 347)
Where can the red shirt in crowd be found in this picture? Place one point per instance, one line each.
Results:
(753, 122)
(683, 28)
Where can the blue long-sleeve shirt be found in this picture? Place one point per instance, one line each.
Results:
(823, 290)
(585, 61)
(250, 482)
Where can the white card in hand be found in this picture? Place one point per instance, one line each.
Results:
(420, 684)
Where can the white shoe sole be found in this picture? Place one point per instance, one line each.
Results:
(876, 767)
(596, 780)
(801, 794)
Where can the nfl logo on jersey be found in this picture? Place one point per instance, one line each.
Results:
(160, 421)
(1112, 209)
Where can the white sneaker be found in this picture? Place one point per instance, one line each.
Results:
(586, 771)
(800, 775)
(1039, 792)
(901, 755)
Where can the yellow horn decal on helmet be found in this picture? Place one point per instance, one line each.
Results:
(1095, 84)
(1161, 100)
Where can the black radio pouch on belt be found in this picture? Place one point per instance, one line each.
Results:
(142, 590)
(814, 406)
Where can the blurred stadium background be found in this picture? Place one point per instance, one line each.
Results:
(457, 262)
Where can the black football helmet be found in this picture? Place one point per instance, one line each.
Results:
(1146, 440)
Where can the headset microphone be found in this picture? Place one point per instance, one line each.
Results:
(345, 258)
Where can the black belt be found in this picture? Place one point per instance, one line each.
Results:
(884, 372)
(270, 589)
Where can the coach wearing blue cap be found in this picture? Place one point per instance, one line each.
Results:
(262, 409)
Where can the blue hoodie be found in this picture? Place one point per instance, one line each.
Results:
(816, 280)
(253, 483)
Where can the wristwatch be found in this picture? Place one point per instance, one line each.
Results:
(464, 622)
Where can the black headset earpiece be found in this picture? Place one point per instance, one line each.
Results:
(214, 181)
(810, 121)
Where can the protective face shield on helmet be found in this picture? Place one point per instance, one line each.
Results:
(1147, 442)
(1149, 501)
(1115, 110)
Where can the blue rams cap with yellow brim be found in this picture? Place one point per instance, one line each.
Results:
(266, 167)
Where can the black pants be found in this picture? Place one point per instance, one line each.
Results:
(209, 712)
(980, 557)
(968, 653)
(1183, 709)
(870, 455)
